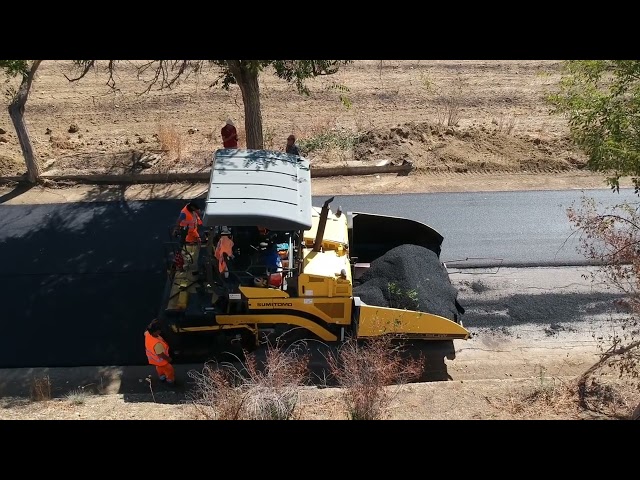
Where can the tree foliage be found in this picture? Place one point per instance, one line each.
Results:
(611, 238)
(13, 68)
(601, 99)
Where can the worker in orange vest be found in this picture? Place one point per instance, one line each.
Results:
(224, 250)
(188, 222)
(158, 353)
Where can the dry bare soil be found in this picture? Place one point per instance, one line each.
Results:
(465, 125)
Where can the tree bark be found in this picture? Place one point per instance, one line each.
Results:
(16, 112)
(246, 76)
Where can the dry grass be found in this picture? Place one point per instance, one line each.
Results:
(255, 391)
(505, 124)
(170, 140)
(364, 370)
(41, 389)
(61, 142)
(77, 397)
(553, 398)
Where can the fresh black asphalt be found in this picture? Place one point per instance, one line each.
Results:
(81, 281)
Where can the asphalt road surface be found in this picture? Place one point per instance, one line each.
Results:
(512, 229)
(79, 282)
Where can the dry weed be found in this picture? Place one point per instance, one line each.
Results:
(170, 140)
(257, 390)
(505, 124)
(608, 399)
(41, 389)
(77, 396)
(449, 113)
(553, 398)
(363, 123)
(270, 140)
(320, 126)
(61, 142)
(610, 386)
(366, 370)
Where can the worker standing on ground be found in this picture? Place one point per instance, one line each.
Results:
(158, 353)
(224, 251)
(229, 135)
(291, 147)
(188, 222)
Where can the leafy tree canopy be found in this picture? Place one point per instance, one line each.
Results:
(601, 99)
(13, 68)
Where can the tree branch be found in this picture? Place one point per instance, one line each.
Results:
(87, 66)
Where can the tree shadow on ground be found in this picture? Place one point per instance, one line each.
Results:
(81, 281)
(19, 189)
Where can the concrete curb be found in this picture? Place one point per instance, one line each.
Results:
(204, 177)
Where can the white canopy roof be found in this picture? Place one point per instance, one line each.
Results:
(259, 187)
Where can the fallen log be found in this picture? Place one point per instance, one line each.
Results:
(201, 177)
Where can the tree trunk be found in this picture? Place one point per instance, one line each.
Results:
(246, 75)
(16, 112)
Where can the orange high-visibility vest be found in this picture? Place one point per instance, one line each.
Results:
(149, 343)
(191, 222)
(225, 245)
(192, 219)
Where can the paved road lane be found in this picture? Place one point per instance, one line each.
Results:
(70, 320)
(492, 228)
(80, 281)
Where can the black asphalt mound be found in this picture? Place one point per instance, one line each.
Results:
(410, 277)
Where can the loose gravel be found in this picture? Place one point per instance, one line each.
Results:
(410, 277)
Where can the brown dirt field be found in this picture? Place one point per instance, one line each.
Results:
(500, 137)
(445, 116)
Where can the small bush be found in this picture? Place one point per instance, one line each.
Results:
(170, 140)
(342, 140)
(255, 391)
(76, 397)
(365, 370)
(505, 125)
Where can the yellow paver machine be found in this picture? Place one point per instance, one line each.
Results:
(295, 269)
